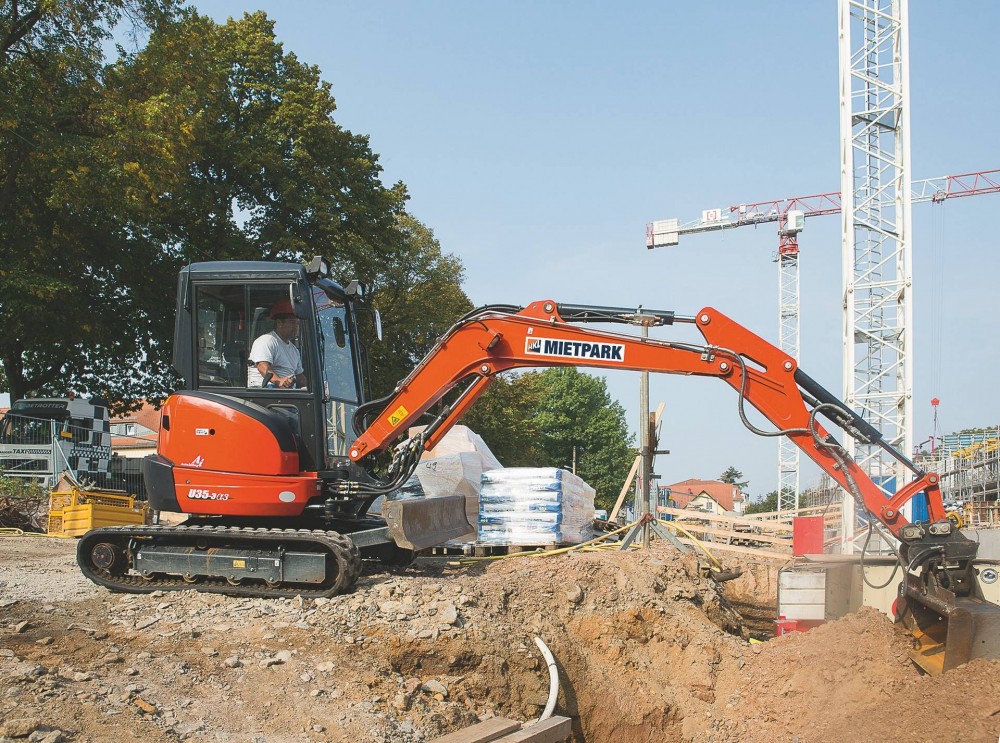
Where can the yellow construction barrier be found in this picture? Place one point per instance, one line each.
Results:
(74, 512)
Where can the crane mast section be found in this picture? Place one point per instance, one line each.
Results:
(489, 342)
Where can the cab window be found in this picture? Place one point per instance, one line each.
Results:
(228, 319)
(221, 336)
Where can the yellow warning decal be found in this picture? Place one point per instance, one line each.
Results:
(398, 416)
(239, 563)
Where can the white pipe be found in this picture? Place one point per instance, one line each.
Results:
(550, 705)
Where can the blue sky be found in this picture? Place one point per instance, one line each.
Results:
(537, 139)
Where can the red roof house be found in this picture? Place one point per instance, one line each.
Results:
(705, 495)
(135, 434)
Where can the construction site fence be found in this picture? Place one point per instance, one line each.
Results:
(766, 535)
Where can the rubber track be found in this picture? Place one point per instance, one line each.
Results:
(345, 552)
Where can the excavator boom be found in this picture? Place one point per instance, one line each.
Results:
(491, 341)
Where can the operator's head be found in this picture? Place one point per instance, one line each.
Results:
(286, 324)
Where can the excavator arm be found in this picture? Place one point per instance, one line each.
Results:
(941, 602)
(545, 334)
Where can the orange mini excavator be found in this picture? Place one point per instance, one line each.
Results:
(277, 482)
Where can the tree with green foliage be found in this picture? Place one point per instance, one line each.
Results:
(417, 290)
(209, 142)
(72, 194)
(763, 505)
(734, 477)
(506, 416)
(575, 411)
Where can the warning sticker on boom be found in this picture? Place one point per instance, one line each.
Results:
(575, 349)
(398, 416)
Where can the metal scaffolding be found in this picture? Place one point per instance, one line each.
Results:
(969, 465)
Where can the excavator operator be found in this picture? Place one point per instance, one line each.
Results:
(274, 356)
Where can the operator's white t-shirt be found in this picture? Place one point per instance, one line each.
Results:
(284, 357)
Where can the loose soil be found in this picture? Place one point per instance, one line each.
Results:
(648, 648)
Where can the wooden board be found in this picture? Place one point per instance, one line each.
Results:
(682, 514)
(698, 529)
(553, 730)
(483, 732)
(786, 515)
(713, 547)
(490, 550)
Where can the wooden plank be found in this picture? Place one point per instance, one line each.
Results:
(799, 512)
(713, 547)
(553, 730)
(621, 496)
(767, 526)
(697, 529)
(483, 732)
(697, 515)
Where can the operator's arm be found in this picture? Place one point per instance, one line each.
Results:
(292, 380)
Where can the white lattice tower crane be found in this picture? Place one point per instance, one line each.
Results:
(790, 215)
(877, 257)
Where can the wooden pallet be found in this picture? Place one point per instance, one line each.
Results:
(553, 730)
(489, 550)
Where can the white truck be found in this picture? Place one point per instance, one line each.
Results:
(41, 438)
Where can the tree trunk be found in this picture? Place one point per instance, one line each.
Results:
(13, 371)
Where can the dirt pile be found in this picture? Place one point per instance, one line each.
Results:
(648, 650)
(852, 679)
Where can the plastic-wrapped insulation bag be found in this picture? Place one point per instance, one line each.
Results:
(534, 506)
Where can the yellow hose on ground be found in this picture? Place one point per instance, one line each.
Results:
(12, 532)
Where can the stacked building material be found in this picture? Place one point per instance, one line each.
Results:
(533, 506)
(453, 467)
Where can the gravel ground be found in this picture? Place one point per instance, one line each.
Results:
(648, 650)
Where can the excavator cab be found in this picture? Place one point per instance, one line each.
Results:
(235, 449)
(225, 307)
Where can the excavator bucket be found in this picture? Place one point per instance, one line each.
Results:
(951, 630)
(419, 523)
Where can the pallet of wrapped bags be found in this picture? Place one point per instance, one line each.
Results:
(534, 506)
